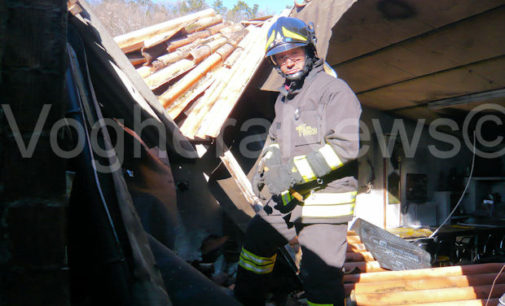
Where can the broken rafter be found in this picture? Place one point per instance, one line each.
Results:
(158, 39)
(173, 45)
(203, 23)
(203, 51)
(190, 79)
(191, 95)
(168, 73)
(168, 97)
(156, 46)
(233, 58)
(176, 108)
(252, 55)
(192, 123)
(168, 59)
(136, 38)
(137, 60)
(228, 31)
(180, 53)
(240, 178)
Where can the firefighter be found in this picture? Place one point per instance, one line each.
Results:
(311, 151)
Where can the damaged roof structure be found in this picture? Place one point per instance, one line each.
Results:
(193, 65)
(199, 63)
(152, 209)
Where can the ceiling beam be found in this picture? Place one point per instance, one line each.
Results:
(413, 38)
(464, 66)
(475, 97)
(448, 102)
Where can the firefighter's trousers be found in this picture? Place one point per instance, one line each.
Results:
(323, 254)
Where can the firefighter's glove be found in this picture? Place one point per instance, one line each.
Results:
(278, 178)
(258, 182)
(272, 156)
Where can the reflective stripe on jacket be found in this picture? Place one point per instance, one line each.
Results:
(322, 115)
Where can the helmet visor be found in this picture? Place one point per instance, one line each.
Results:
(284, 47)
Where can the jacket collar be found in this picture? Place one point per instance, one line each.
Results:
(291, 88)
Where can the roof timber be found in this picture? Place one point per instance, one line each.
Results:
(476, 77)
(199, 69)
(137, 38)
(364, 28)
(472, 40)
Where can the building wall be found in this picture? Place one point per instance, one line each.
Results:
(434, 156)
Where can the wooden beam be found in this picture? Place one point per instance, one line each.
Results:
(425, 273)
(240, 179)
(429, 283)
(461, 43)
(175, 44)
(482, 76)
(203, 23)
(203, 51)
(430, 295)
(158, 39)
(362, 256)
(168, 97)
(479, 302)
(481, 96)
(253, 55)
(168, 73)
(189, 97)
(364, 28)
(137, 37)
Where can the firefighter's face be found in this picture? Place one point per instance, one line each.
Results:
(291, 61)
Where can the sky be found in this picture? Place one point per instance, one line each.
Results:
(272, 6)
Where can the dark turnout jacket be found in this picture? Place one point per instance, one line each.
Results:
(321, 114)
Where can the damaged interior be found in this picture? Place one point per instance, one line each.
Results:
(126, 160)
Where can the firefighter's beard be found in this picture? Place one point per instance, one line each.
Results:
(300, 74)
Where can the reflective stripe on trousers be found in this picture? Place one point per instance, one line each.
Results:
(317, 304)
(255, 263)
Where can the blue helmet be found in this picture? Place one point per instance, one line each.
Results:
(288, 33)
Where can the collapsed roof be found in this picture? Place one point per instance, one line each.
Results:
(198, 66)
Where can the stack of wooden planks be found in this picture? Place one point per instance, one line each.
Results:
(198, 66)
(357, 258)
(368, 284)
